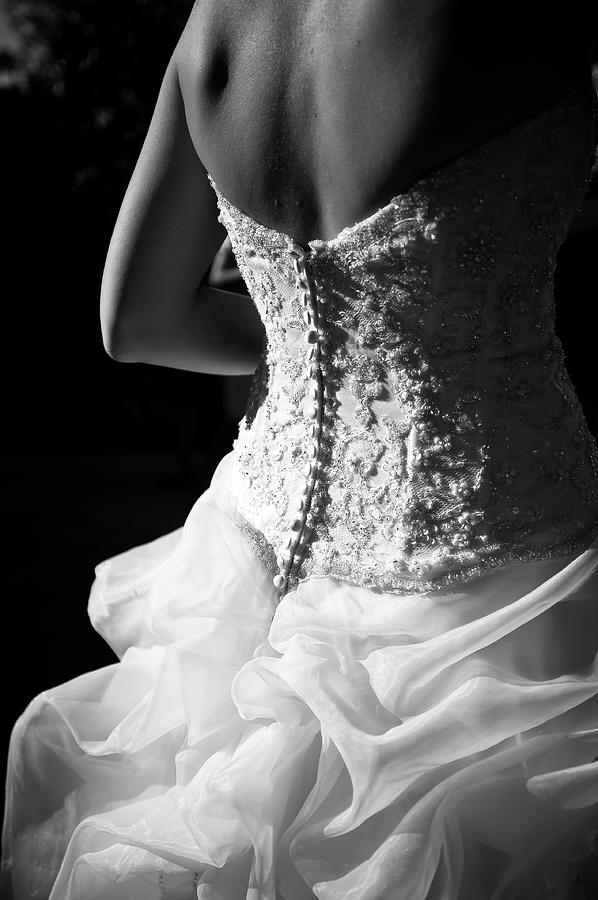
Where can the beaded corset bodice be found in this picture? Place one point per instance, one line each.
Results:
(411, 422)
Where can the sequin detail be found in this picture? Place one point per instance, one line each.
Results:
(412, 422)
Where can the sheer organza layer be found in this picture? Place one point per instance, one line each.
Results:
(344, 743)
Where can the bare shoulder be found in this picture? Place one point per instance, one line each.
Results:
(309, 113)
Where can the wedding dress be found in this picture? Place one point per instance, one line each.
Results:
(367, 665)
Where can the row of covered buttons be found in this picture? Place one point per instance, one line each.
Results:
(310, 301)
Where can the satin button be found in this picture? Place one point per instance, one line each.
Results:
(278, 581)
(311, 336)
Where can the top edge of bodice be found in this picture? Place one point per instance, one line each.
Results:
(360, 233)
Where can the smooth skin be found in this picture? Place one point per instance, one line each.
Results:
(309, 115)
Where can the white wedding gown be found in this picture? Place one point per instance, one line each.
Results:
(366, 667)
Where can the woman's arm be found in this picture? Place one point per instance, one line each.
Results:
(152, 308)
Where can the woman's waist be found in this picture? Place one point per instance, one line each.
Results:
(514, 448)
(356, 496)
(405, 541)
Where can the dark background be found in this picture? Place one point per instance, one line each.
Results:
(99, 456)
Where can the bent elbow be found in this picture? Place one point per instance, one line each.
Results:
(118, 353)
(118, 342)
(119, 324)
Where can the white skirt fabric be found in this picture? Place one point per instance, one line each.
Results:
(344, 744)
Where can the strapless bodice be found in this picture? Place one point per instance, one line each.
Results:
(411, 421)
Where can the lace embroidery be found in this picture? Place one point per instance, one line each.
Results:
(413, 423)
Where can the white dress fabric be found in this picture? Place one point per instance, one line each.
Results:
(366, 667)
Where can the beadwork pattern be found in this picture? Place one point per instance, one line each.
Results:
(411, 422)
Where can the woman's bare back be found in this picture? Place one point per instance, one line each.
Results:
(313, 113)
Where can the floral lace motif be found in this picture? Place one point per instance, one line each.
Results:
(412, 422)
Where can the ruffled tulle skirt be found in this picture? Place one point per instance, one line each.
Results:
(343, 744)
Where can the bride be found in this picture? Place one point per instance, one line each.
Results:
(367, 665)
